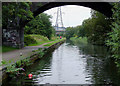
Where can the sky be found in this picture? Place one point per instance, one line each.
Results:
(72, 15)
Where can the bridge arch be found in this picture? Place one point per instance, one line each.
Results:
(103, 7)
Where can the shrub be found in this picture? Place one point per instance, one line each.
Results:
(39, 37)
(114, 36)
(29, 40)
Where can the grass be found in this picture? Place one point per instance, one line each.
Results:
(54, 42)
(80, 39)
(6, 48)
(41, 40)
(38, 43)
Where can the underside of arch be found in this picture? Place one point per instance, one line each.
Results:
(103, 7)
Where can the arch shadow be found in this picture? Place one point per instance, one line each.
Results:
(103, 7)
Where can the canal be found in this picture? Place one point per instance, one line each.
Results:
(71, 63)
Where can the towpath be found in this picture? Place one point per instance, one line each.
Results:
(19, 54)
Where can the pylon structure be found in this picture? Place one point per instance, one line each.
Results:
(59, 27)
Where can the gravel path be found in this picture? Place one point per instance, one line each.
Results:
(25, 52)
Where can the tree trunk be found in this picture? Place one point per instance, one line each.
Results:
(21, 37)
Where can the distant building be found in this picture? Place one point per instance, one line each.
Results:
(59, 30)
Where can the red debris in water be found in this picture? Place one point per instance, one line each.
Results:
(60, 37)
(30, 75)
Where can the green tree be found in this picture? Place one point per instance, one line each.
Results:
(41, 24)
(14, 13)
(88, 26)
(79, 31)
(114, 35)
(96, 28)
(69, 32)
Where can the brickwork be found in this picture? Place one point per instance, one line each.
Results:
(10, 37)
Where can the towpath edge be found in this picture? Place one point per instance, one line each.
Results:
(23, 54)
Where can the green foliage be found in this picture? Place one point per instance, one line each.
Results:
(12, 69)
(41, 52)
(26, 61)
(7, 48)
(114, 36)
(3, 62)
(50, 44)
(96, 28)
(29, 40)
(14, 12)
(39, 37)
(69, 32)
(36, 40)
(79, 40)
(77, 31)
(18, 63)
(41, 25)
(80, 31)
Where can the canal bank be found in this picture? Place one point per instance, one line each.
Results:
(69, 64)
(36, 53)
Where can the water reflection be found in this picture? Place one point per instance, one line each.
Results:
(72, 63)
(100, 67)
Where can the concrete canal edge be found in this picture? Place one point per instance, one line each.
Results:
(33, 58)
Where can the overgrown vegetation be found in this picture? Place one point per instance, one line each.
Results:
(94, 28)
(40, 25)
(49, 44)
(34, 40)
(7, 48)
(14, 69)
(100, 30)
(16, 14)
(114, 36)
(29, 40)
(38, 31)
(79, 40)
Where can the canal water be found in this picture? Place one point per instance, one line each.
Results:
(71, 63)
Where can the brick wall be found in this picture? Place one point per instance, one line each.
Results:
(10, 37)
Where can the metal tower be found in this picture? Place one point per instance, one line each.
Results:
(59, 21)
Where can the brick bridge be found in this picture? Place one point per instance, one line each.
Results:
(14, 37)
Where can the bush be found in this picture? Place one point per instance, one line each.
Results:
(114, 36)
(29, 40)
(39, 37)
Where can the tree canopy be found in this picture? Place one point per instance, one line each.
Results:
(94, 28)
(114, 36)
(15, 14)
(41, 24)
(97, 27)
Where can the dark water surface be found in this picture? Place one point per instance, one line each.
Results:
(77, 63)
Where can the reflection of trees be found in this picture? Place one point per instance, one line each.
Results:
(93, 50)
(100, 67)
(103, 71)
(69, 42)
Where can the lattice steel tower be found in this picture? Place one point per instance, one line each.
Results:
(59, 21)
